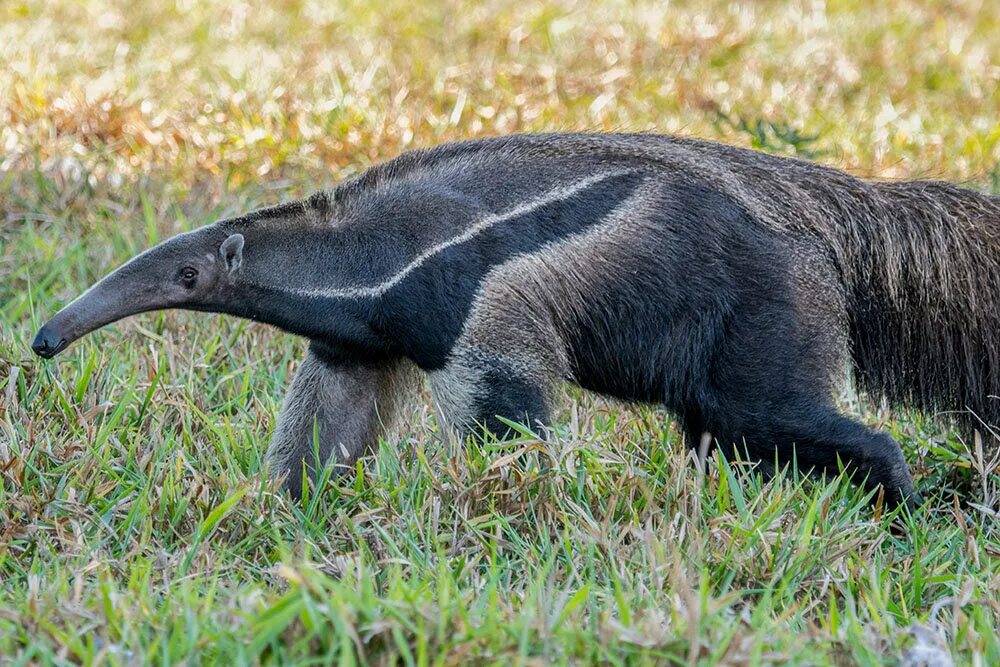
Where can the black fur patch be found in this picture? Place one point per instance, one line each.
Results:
(650, 334)
(424, 313)
(504, 394)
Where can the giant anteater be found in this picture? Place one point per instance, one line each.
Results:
(732, 287)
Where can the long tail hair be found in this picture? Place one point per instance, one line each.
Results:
(920, 262)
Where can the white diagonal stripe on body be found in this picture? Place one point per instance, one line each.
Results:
(478, 227)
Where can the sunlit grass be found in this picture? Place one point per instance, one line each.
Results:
(134, 523)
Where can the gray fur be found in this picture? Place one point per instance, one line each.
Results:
(332, 415)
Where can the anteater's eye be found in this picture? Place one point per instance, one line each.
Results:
(188, 276)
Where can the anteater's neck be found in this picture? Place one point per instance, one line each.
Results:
(282, 279)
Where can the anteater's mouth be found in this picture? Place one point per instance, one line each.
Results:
(48, 344)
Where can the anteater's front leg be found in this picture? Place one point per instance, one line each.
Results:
(334, 413)
(477, 388)
(507, 363)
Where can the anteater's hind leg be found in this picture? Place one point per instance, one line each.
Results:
(780, 406)
(334, 413)
(771, 394)
(821, 440)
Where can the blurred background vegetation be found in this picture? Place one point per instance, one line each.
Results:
(133, 524)
(247, 92)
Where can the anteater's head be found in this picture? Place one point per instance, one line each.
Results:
(193, 271)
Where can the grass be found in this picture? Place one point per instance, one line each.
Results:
(134, 525)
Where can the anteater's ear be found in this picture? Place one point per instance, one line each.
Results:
(231, 251)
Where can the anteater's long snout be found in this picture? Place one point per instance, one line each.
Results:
(102, 304)
(79, 318)
(49, 342)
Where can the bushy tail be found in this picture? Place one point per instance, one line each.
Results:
(921, 266)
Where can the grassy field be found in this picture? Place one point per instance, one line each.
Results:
(134, 525)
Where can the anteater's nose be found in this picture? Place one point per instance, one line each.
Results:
(48, 343)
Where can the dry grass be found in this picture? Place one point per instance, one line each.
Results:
(133, 524)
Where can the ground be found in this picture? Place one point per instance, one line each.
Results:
(134, 525)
